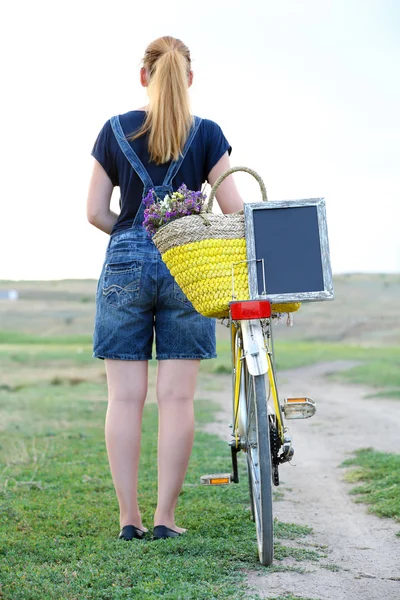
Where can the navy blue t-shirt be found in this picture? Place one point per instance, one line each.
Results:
(207, 148)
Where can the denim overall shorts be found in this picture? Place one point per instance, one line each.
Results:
(137, 296)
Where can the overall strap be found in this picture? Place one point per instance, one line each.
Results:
(130, 154)
(175, 166)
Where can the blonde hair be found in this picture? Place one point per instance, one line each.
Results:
(168, 120)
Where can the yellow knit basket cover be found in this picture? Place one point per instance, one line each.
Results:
(201, 250)
(203, 270)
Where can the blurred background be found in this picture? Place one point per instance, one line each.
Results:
(306, 93)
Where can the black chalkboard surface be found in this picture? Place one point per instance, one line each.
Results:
(289, 241)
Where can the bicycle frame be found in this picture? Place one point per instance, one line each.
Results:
(258, 424)
(258, 357)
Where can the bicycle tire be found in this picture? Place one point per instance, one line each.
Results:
(259, 466)
(251, 494)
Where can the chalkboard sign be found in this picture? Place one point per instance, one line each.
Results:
(288, 250)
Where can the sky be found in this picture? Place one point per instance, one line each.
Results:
(307, 93)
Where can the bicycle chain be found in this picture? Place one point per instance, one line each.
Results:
(274, 443)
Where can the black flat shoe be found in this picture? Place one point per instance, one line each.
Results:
(161, 532)
(130, 532)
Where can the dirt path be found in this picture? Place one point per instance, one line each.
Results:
(362, 553)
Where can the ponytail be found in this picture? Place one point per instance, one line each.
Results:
(168, 120)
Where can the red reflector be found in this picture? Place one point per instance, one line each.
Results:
(250, 309)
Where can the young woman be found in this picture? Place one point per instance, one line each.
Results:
(137, 297)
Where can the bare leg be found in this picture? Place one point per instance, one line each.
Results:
(176, 383)
(127, 389)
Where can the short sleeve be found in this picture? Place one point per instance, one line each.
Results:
(216, 145)
(102, 152)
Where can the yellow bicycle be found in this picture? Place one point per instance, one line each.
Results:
(258, 427)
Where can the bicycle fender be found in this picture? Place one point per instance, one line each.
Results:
(255, 352)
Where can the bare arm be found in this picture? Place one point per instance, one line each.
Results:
(98, 201)
(228, 195)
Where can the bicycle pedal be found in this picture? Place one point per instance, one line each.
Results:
(216, 479)
(298, 408)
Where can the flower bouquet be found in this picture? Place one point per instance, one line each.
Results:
(181, 203)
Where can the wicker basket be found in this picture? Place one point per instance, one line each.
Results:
(200, 251)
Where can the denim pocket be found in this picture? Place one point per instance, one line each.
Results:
(121, 283)
(178, 294)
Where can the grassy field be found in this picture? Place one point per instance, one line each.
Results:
(377, 475)
(58, 512)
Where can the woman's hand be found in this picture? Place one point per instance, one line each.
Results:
(99, 198)
(228, 196)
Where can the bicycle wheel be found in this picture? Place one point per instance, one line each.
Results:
(251, 494)
(259, 465)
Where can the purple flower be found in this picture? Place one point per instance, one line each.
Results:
(148, 200)
(157, 215)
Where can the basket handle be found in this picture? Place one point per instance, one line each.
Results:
(225, 175)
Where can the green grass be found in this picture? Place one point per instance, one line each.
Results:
(394, 394)
(59, 514)
(377, 475)
(17, 337)
(44, 356)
